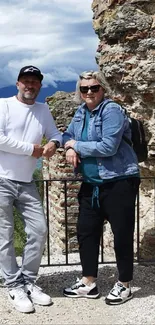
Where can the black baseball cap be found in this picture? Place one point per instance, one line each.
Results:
(30, 70)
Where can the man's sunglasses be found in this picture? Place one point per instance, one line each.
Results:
(85, 89)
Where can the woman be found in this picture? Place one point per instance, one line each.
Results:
(95, 145)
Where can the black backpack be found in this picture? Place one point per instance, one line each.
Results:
(138, 141)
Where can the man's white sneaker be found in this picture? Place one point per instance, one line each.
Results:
(79, 289)
(118, 295)
(37, 296)
(20, 300)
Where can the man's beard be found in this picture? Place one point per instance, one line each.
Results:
(31, 95)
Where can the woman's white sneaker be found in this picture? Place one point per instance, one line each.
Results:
(19, 299)
(37, 296)
(79, 289)
(119, 294)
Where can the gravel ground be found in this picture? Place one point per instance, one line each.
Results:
(139, 310)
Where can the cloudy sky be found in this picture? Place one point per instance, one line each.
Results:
(55, 35)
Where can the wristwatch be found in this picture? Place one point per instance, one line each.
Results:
(57, 143)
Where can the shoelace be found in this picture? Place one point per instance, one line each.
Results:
(77, 284)
(33, 287)
(21, 293)
(117, 287)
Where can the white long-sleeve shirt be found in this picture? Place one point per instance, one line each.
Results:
(22, 126)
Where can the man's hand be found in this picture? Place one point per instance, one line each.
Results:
(49, 149)
(72, 157)
(37, 151)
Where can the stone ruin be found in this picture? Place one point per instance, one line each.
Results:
(126, 55)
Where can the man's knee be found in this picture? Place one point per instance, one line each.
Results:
(42, 230)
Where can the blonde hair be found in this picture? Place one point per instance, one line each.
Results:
(91, 75)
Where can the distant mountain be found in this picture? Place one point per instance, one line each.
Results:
(44, 92)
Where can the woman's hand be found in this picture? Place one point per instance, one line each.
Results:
(72, 157)
(70, 144)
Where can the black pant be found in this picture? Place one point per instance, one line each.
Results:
(117, 205)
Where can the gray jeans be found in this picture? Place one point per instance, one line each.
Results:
(25, 197)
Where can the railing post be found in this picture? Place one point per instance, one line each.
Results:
(138, 225)
(47, 215)
(66, 222)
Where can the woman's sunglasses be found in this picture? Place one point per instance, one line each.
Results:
(85, 89)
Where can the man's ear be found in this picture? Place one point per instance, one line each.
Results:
(17, 85)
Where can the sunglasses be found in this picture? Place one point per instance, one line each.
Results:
(85, 89)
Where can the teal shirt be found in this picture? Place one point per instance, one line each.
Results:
(88, 166)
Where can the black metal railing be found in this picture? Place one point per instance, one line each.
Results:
(48, 256)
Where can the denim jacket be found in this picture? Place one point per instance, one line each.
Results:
(115, 157)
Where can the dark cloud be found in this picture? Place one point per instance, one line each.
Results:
(57, 36)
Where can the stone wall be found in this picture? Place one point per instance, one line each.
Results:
(126, 55)
(63, 107)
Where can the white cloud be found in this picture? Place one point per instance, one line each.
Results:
(55, 35)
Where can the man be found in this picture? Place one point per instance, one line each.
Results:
(23, 122)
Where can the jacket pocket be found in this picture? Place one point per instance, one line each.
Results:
(77, 118)
(98, 128)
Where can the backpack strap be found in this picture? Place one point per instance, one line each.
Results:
(108, 101)
(127, 140)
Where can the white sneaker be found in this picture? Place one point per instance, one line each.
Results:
(20, 300)
(118, 295)
(36, 295)
(79, 289)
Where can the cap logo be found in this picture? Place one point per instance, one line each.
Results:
(31, 69)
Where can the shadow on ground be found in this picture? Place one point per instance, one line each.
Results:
(143, 283)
